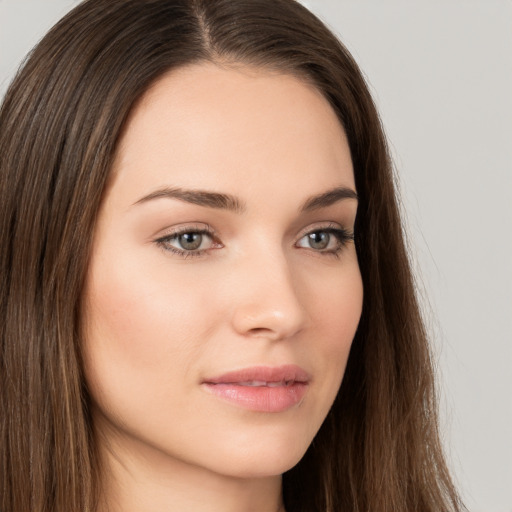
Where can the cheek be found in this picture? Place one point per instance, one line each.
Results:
(140, 331)
(336, 306)
(336, 313)
(142, 344)
(141, 309)
(123, 324)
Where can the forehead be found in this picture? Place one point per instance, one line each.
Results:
(208, 123)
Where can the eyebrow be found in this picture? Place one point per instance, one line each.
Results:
(200, 197)
(328, 198)
(222, 201)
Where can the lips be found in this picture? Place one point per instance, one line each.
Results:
(262, 388)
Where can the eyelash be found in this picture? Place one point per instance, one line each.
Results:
(164, 241)
(343, 237)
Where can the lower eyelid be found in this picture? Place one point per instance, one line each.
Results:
(174, 237)
(341, 234)
(343, 237)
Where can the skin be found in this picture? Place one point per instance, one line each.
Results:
(158, 323)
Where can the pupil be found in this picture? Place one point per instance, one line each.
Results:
(191, 241)
(319, 240)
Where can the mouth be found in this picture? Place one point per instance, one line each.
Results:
(262, 388)
(260, 383)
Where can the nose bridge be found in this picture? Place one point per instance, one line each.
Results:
(268, 302)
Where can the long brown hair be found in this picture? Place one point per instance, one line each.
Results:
(379, 448)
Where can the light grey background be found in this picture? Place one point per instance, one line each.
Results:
(441, 73)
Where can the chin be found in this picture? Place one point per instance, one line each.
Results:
(262, 454)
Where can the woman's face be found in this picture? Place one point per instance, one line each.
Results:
(224, 291)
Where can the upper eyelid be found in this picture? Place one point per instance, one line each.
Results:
(201, 227)
(342, 234)
(186, 228)
(323, 226)
(163, 241)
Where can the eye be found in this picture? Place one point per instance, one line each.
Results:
(188, 242)
(318, 240)
(327, 240)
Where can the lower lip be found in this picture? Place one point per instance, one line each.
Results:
(260, 398)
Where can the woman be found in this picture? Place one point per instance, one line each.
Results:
(206, 300)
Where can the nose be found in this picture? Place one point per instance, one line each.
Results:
(268, 301)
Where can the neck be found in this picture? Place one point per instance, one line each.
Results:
(133, 481)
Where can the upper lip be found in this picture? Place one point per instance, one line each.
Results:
(285, 373)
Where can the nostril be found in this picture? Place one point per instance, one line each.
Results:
(259, 331)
